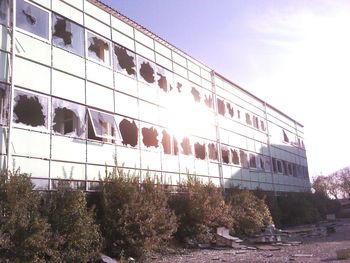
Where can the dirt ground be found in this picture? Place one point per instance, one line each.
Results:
(316, 246)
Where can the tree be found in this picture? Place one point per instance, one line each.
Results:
(25, 235)
(77, 235)
(320, 185)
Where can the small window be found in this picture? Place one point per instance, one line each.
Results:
(150, 137)
(225, 154)
(164, 79)
(196, 95)
(4, 12)
(252, 161)
(186, 146)
(262, 124)
(102, 126)
(267, 164)
(208, 100)
(213, 153)
(244, 159)
(146, 71)
(285, 136)
(30, 109)
(32, 19)
(129, 132)
(290, 169)
(124, 61)
(230, 109)
(199, 150)
(285, 167)
(279, 166)
(4, 104)
(256, 122)
(221, 107)
(274, 165)
(67, 35)
(262, 163)
(235, 157)
(98, 48)
(248, 119)
(68, 118)
(175, 146)
(238, 114)
(166, 142)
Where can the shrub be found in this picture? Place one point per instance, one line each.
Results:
(250, 214)
(77, 236)
(135, 217)
(200, 209)
(25, 235)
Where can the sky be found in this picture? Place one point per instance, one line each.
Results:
(294, 54)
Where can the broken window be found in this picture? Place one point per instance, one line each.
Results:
(4, 12)
(186, 146)
(279, 166)
(164, 79)
(129, 132)
(244, 159)
(102, 126)
(208, 100)
(285, 136)
(262, 163)
(150, 137)
(252, 161)
(4, 104)
(247, 118)
(199, 150)
(124, 61)
(229, 109)
(256, 122)
(33, 19)
(67, 35)
(98, 48)
(262, 124)
(30, 109)
(213, 153)
(221, 106)
(274, 165)
(290, 169)
(225, 155)
(68, 118)
(285, 167)
(196, 95)
(176, 147)
(238, 114)
(235, 157)
(146, 70)
(179, 87)
(267, 164)
(166, 142)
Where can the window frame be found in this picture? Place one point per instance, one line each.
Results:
(5, 105)
(116, 137)
(110, 57)
(7, 21)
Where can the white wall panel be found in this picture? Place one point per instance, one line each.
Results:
(195, 78)
(32, 76)
(76, 3)
(68, 62)
(95, 94)
(97, 12)
(179, 59)
(187, 164)
(123, 40)
(150, 160)
(170, 163)
(29, 143)
(128, 157)
(163, 61)
(145, 51)
(68, 149)
(148, 112)
(68, 87)
(32, 166)
(65, 170)
(201, 167)
(122, 27)
(45, 3)
(144, 39)
(180, 70)
(147, 92)
(68, 11)
(32, 48)
(161, 49)
(97, 172)
(205, 74)
(101, 153)
(193, 67)
(99, 74)
(125, 84)
(126, 105)
(97, 26)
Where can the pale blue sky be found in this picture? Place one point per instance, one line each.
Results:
(294, 54)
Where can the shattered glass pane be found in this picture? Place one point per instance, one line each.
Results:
(129, 132)
(30, 109)
(164, 79)
(252, 161)
(208, 100)
(68, 118)
(229, 109)
(166, 142)
(244, 159)
(221, 106)
(213, 153)
(196, 95)
(150, 137)
(199, 150)
(103, 124)
(4, 104)
(4, 12)
(124, 61)
(186, 146)
(98, 48)
(248, 119)
(32, 19)
(67, 35)
(225, 154)
(235, 157)
(146, 70)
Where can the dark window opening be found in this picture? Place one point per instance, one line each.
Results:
(252, 161)
(65, 121)
(285, 168)
(221, 107)
(76, 185)
(274, 165)
(186, 146)
(279, 166)
(213, 153)
(32, 19)
(256, 122)
(150, 137)
(244, 159)
(91, 132)
(199, 150)
(247, 119)
(30, 110)
(285, 136)
(262, 163)
(235, 157)
(262, 124)
(4, 12)
(60, 31)
(179, 87)
(196, 95)
(208, 101)
(129, 132)
(290, 169)
(147, 72)
(125, 60)
(225, 155)
(4, 104)
(229, 109)
(162, 82)
(166, 142)
(176, 146)
(238, 114)
(104, 126)
(98, 49)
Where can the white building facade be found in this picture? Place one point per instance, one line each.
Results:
(84, 89)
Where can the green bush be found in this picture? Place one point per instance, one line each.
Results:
(77, 236)
(135, 218)
(250, 214)
(25, 235)
(200, 209)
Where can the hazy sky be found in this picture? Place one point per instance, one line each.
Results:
(294, 54)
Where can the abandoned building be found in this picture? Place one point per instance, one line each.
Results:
(83, 88)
